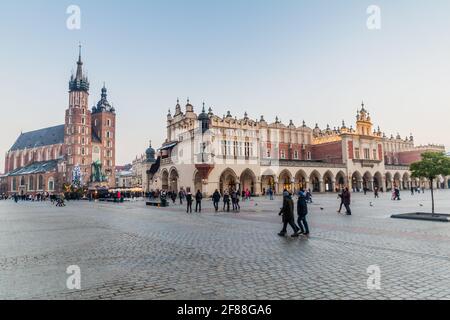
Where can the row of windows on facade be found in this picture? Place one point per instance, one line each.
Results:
(237, 149)
(39, 156)
(84, 162)
(107, 123)
(31, 185)
(85, 131)
(85, 151)
(397, 147)
(283, 154)
(366, 154)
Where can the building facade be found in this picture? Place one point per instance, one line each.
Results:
(80, 152)
(208, 152)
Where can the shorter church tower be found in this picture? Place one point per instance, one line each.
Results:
(104, 137)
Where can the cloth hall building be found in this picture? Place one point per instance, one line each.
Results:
(208, 152)
(81, 149)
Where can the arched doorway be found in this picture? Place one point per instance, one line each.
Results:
(406, 181)
(328, 181)
(397, 180)
(367, 181)
(165, 180)
(285, 181)
(378, 180)
(228, 181)
(356, 181)
(173, 180)
(314, 180)
(197, 182)
(248, 181)
(340, 180)
(300, 181)
(388, 181)
(268, 182)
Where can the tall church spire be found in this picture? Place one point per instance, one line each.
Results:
(79, 82)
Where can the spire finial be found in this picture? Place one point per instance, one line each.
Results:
(79, 51)
(203, 110)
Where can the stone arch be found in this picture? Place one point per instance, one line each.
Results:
(388, 181)
(198, 183)
(377, 180)
(173, 180)
(314, 181)
(368, 181)
(356, 181)
(300, 180)
(328, 181)
(228, 180)
(268, 180)
(397, 180)
(406, 181)
(340, 180)
(248, 181)
(165, 180)
(284, 181)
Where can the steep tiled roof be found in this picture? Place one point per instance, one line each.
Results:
(37, 167)
(39, 138)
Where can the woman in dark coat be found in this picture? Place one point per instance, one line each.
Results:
(287, 212)
(302, 211)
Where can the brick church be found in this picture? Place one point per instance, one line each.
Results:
(80, 152)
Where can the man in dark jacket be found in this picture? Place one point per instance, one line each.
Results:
(347, 200)
(302, 211)
(216, 199)
(287, 212)
(189, 201)
(226, 201)
(198, 201)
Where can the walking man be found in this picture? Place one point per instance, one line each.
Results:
(287, 212)
(198, 201)
(347, 200)
(302, 211)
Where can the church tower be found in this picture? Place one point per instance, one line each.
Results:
(104, 136)
(77, 128)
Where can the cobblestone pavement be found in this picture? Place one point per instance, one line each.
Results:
(130, 251)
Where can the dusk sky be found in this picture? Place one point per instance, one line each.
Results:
(301, 60)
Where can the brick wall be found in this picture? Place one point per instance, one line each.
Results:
(328, 152)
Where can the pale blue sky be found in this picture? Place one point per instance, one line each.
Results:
(313, 60)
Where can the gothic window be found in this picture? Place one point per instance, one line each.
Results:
(51, 184)
(283, 154)
(308, 155)
(30, 183)
(40, 182)
(296, 155)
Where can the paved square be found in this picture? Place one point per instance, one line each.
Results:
(130, 251)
